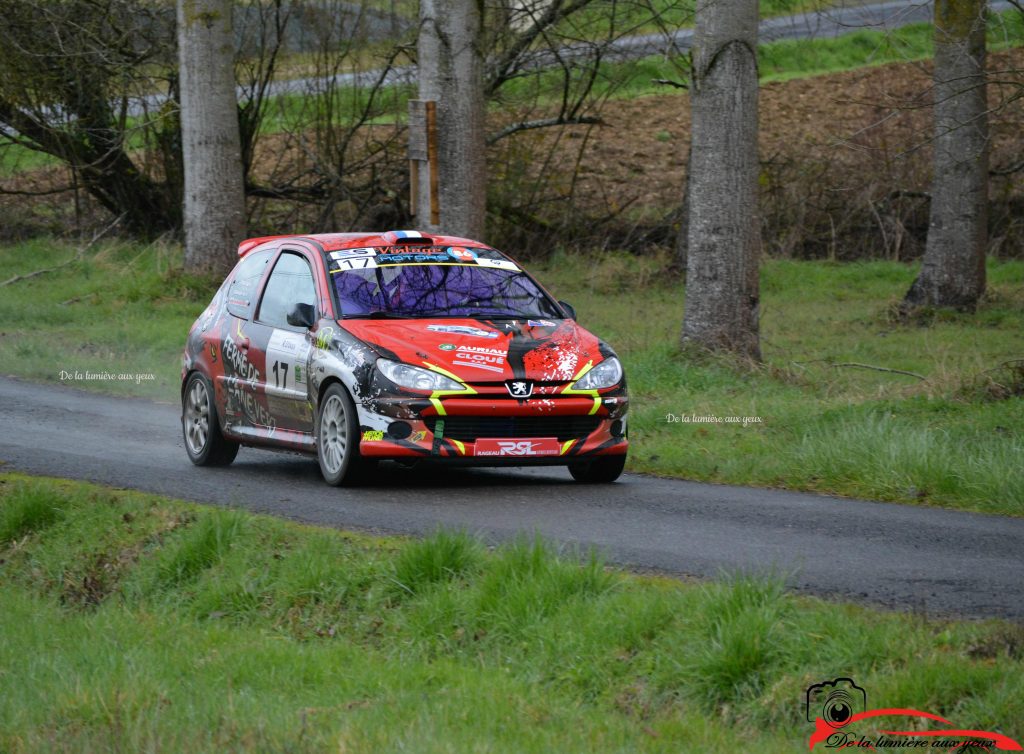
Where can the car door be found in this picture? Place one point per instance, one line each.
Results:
(230, 344)
(286, 348)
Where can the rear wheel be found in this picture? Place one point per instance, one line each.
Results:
(204, 442)
(601, 470)
(337, 439)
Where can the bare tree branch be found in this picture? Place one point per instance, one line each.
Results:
(509, 61)
(77, 258)
(1009, 170)
(878, 369)
(528, 125)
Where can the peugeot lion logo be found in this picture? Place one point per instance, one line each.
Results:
(519, 388)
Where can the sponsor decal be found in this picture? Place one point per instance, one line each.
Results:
(208, 314)
(461, 254)
(373, 435)
(282, 340)
(516, 448)
(256, 412)
(499, 264)
(434, 252)
(447, 347)
(491, 359)
(519, 388)
(541, 323)
(285, 356)
(399, 255)
(836, 706)
(350, 253)
(418, 436)
(324, 338)
(474, 332)
(354, 263)
(243, 368)
(353, 259)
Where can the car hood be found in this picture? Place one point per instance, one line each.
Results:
(543, 350)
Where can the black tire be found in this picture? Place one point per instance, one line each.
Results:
(337, 439)
(200, 426)
(601, 470)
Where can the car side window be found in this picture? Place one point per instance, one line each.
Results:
(245, 283)
(290, 283)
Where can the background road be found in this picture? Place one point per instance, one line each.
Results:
(846, 17)
(931, 560)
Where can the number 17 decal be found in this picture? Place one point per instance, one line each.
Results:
(286, 359)
(281, 380)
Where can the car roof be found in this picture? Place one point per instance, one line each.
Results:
(339, 241)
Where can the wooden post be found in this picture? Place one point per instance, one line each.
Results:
(414, 185)
(423, 161)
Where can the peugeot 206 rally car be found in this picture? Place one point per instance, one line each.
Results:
(359, 347)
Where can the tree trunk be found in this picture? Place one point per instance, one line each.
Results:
(451, 73)
(953, 271)
(724, 240)
(214, 216)
(683, 237)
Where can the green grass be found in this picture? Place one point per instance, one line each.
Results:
(291, 638)
(123, 310)
(604, 18)
(954, 438)
(786, 59)
(15, 158)
(27, 510)
(789, 59)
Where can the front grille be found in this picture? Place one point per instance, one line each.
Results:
(470, 428)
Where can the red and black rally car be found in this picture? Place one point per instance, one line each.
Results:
(359, 347)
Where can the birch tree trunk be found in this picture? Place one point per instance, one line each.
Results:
(214, 211)
(451, 73)
(953, 271)
(724, 236)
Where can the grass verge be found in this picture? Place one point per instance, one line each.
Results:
(133, 622)
(118, 316)
(818, 418)
(951, 436)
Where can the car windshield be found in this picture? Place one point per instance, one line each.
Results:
(435, 281)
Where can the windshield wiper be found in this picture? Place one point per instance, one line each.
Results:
(473, 315)
(379, 315)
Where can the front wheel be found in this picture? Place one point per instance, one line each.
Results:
(337, 438)
(204, 442)
(601, 470)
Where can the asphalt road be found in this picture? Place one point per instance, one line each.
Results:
(910, 558)
(846, 17)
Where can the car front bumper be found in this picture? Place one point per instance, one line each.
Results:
(478, 431)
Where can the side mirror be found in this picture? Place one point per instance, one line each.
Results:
(302, 315)
(568, 309)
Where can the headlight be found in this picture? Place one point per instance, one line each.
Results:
(605, 374)
(416, 378)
